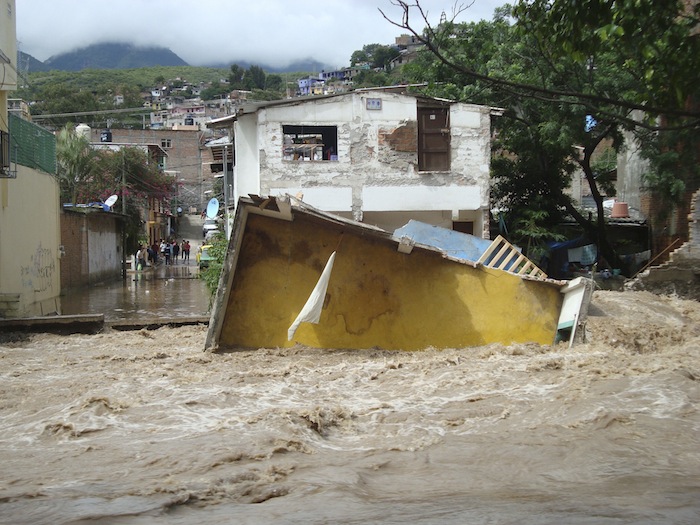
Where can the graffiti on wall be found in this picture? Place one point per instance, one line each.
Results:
(38, 275)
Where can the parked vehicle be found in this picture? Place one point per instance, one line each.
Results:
(203, 257)
(209, 225)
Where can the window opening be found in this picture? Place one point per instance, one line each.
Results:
(4, 151)
(310, 143)
(463, 226)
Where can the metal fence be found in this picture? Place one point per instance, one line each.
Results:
(32, 145)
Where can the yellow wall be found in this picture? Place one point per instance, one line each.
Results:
(29, 241)
(8, 45)
(376, 297)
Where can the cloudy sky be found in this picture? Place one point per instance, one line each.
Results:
(205, 32)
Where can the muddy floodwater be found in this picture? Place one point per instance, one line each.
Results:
(142, 427)
(166, 291)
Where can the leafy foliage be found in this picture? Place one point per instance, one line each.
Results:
(74, 158)
(376, 55)
(263, 86)
(655, 41)
(212, 273)
(89, 175)
(562, 97)
(673, 164)
(97, 80)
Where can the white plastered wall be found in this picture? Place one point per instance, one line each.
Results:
(370, 176)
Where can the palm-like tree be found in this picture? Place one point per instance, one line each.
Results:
(75, 161)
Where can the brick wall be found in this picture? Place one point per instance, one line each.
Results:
(402, 138)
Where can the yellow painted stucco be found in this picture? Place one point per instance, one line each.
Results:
(377, 297)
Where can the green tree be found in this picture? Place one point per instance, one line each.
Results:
(359, 56)
(370, 78)
(60, 98)
(548, 97)
(275, 83)
(655, 42)
(130, 174)
(215, 91)
(235, 77)
(74, 158)
(383, 56)
(376, 55)
(254, 77)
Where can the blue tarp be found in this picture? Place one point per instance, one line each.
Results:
(455, 244)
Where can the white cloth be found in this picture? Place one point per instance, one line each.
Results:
(311, 313)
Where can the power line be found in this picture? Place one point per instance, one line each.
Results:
(85, 113)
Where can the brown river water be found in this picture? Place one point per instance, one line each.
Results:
(143, 427)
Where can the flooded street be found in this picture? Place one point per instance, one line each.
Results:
(172, 291)
(143, 427)
(166, 291)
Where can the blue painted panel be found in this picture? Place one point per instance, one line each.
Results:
(455, 244)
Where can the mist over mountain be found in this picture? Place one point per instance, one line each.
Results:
(114, 56)
(127, 56)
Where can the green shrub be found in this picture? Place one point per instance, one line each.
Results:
(212, 273)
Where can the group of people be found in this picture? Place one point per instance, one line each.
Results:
(170, 251)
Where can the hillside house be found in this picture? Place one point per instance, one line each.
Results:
(377, 156)
(408, 46)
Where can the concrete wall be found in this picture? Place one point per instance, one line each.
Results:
(377, 297)
(246, 172)
(630, 168)
(29, 244)
(377, 166)
(93, 246)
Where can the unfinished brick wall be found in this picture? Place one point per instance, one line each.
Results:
(403, 138)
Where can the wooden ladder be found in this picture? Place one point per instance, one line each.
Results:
(504, 256)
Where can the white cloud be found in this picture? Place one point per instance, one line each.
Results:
(270, 32)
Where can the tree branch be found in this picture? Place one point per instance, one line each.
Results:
(430, 39)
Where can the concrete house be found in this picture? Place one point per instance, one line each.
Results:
(379, 156)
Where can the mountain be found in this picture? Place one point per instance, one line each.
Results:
(127, 56)
(113, 56)
(28, 63)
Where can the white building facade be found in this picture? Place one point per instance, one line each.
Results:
(375, 156)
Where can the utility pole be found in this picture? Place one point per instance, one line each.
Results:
(226, 226)
(124, 217)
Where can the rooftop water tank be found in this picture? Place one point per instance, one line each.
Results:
(620, 210)
(106, 135)
(83, 130)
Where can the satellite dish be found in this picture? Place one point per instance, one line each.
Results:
(212, 208)
(111, 200)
